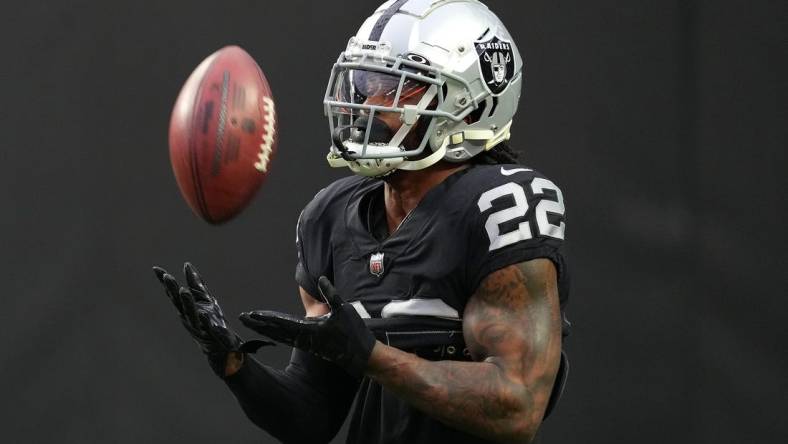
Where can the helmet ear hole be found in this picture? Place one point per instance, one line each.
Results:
(476, 114)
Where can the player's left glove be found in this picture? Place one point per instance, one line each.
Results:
(202, 317)
(339, 336)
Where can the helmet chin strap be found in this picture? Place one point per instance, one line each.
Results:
(432, 159)
(365, 167)
(383, 167)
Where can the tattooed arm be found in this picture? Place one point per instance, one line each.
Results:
(512, 329)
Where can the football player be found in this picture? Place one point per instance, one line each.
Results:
(433, 279)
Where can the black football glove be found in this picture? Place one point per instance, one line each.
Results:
(339, 336)
(203, 318)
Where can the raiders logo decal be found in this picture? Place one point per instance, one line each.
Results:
(496, 60)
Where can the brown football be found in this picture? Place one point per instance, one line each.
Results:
(223, 134)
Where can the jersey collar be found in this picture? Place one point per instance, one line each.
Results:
(407, 233)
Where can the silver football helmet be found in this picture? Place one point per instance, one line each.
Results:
(446, 70)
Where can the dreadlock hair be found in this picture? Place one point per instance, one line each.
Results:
(499, 154)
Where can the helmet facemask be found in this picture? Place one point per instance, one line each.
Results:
(372, 121)
(383, 111)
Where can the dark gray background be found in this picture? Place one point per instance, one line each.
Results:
(663, 121)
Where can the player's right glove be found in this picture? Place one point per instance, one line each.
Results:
(203, 318)
(339, 336)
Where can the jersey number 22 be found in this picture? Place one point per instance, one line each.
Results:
(520, 208)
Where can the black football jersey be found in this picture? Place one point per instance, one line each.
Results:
(412, 286)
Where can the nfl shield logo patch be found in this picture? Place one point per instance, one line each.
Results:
(376, 264)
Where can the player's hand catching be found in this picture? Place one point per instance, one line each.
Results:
(203, 318)
(339, 336)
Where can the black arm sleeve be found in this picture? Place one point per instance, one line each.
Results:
(307, 402)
